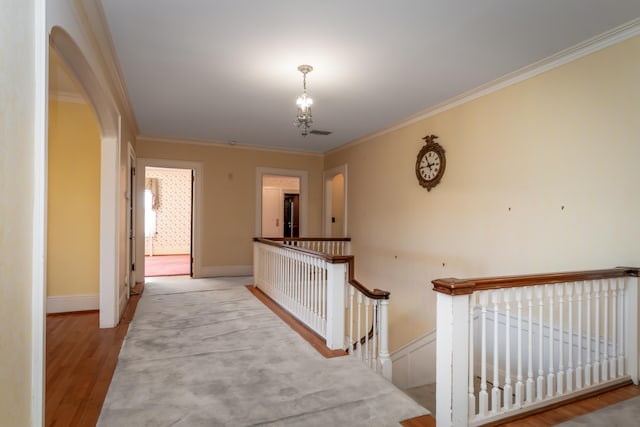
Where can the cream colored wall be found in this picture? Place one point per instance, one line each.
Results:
(229, 183)
(73, 230)
(541, 176)
(16, 208)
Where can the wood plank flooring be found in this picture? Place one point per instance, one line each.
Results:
(554, 416)
(311, 337)
(80, 361)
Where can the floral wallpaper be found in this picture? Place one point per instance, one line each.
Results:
(173, 215)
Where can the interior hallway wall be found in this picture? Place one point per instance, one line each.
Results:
(18, 130)
(541, 176)
(73, 229)
(229, 186)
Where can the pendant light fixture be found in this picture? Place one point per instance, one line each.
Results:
(304, 120)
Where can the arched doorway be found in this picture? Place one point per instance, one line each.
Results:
(111, 296)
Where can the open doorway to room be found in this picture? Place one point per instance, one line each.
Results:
(280, 206)
(168, 221)
(281, 202)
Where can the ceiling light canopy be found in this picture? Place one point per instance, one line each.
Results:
(304, 120)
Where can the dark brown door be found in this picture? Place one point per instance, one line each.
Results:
(291, 215)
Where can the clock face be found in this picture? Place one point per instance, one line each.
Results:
(430, 164)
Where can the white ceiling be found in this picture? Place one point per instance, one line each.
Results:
(225, 70)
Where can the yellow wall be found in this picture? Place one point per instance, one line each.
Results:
(73, 235)
(541, 176)
(229, 183)
(16, 209)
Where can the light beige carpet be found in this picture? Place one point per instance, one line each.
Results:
(208, 353)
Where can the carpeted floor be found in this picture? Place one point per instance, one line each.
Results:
(207, 353)
(622, 414)
(166, 265)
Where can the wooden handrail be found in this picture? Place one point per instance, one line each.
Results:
(453, 286)
(332, 259)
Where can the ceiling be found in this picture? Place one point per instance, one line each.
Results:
(226, 70)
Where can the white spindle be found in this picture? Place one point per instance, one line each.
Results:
(570, 347)
(366, 331)
(560, 375)
(605, 350)
(519, 384)
(530, 382)
(506, 295)
(614, 328)
(579, 369)
(374, 351)
(483, 396)
(596, 363)
(551, 372)
(495, 390)
(471, 382)
(621, 317)
(351, 291)
(359, 344)
(588, 368)
(540, 378)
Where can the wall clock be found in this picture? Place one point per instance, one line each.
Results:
(430, 163)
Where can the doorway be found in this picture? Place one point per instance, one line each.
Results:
(280, 206)
(188, 202)
(269, 216)
(168, 221)
(291, 215)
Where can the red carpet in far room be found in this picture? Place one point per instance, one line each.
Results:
(166, 265)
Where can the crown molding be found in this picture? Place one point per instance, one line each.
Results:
(587, 47)
(93, 19)
(228, 145)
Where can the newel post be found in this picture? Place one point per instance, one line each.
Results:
(256, 263)
(452, 351)
(384, 357)
(336, 281)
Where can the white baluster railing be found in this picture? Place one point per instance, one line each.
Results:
(315, 284)
(326, 245)
(560, 321)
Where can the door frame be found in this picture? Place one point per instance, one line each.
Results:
(328, 176)
(130, 252)
(196, 211)
(304, 196)
(109, 120)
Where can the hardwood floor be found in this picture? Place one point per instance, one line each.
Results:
(311, 337)
(557, 415)
(80, 361)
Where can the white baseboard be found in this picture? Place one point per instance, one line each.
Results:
(226, 270)
(414, 364)
(69, 303)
